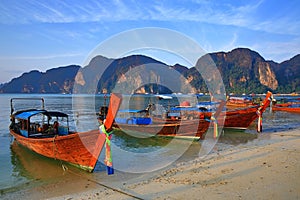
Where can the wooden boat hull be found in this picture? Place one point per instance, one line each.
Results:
(79, 149)
(57, 141)
(242, 118)
(195, 129)
(238, 105)
(235, 119)
(238, 118)
(239, 102)
(287, 107)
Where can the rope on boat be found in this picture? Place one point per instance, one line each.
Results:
(64, 167)
(106, 186)
(54, 147)
(108, 156)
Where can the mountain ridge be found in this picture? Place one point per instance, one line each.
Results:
(243, 71)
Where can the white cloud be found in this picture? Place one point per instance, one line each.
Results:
(62, 12)
(239, 14)
(45, 57)
(278, 51)
(215, 12)
(231, 44)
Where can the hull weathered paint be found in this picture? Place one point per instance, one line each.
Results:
(194, 129)
(79, 149)
(242, 118)
(239, 118)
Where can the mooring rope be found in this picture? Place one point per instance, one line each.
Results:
(103, 185)
(54, 147)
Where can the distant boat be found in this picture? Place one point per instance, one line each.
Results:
(234, 101)
(143, 124)
(138, 122)
(33, 129)
(237, 118)
(241, 118)
(186, 121)
(287, 107)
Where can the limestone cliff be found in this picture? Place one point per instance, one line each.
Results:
(242, 71)
(267, 76)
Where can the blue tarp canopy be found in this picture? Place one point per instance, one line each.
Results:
(208, 103)
(131, 111)
(184, 109)
(29, 113)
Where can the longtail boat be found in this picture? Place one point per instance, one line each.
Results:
(242, 118)
(233, 101)
(33, 129)
(237, 118)
(287, 107)
(141, 123)
(181, 129)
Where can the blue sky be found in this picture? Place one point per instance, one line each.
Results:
(45, 34)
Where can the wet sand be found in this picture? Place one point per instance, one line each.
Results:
(265, 168)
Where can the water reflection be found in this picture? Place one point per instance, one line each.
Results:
(31, 165)
(236, 137)
(34, 169)
(136, 144)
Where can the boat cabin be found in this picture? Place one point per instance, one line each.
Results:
(202, 110)
(235, 99)
(39, 123)
(208, 106)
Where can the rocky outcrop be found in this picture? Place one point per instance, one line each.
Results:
(267, 76)
(57, 80)
(242, 71)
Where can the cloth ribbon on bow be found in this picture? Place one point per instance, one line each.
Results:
(108, 156)
(259, 123)
(215, 121)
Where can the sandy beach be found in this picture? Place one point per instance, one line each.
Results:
(265, 168)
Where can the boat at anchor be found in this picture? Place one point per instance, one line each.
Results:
(287, 107)
(234, 118)
(47, 133)
(144, 125)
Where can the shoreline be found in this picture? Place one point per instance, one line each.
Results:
(267, 167)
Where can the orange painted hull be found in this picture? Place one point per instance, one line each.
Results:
(176, 128)
(235, 119)
(287, 107)
(239, 102)
(79, 149)
(238, 105)
(238, 118)
(242, 118)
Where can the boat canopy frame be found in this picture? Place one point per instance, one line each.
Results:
(24, 117)
(15, 99)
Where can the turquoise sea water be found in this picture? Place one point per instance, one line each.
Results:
(22, 168)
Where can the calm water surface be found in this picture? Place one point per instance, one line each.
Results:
(22, 168)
